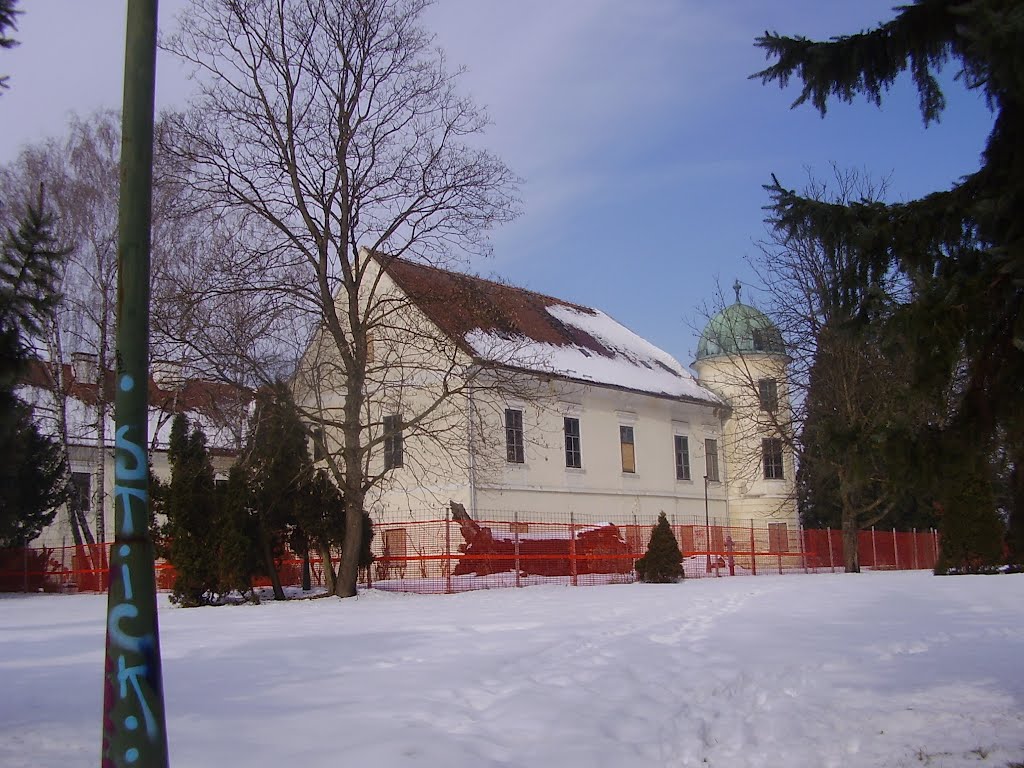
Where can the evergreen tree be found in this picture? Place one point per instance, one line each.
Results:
(34, 480)
(277, 465)
(239, 557)
(190, 534)
(8, 13)
(970, 532)
(32, 475)
(961, 249)
(663, 562)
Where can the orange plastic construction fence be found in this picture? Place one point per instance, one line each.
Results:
(443, 556)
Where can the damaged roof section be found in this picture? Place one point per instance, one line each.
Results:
(518, 328)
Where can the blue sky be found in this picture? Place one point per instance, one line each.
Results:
(642, 143)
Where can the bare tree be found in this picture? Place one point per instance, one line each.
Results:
(336, 125)
(846, 390)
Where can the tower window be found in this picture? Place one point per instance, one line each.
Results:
(768, 394)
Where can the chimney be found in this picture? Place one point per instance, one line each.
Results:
(83, 366)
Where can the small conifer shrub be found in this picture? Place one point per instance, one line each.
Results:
(663, 562)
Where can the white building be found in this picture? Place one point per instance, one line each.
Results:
(68, 400)
(563, 410)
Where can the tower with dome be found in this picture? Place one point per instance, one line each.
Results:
(741, 357)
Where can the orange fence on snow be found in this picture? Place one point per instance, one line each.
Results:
(444, 555)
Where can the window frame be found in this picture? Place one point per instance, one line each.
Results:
(772, 459)
(768, 394)
(711, 460)
(515, 445)
(778, 537)
(682, 467)
(627, 448)
(573, 442)
(394, 442)
(82, 484)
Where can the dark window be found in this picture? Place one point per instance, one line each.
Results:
(759, 345)
(778, 537)
(682, 458)
(514, 451)
(573, 448)
(319, 453)
(393, 457)
(771, 449)
(81, 483)
(628, 449)
(768, 394)
(711, 460)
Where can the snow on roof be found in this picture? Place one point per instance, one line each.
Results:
(514, 327)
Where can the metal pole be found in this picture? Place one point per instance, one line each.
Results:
(895, 551)
(134, 730)
(874, 549)
(447, 551)
(707, 529)
(572, 550)
(515, 523)
(753, 550)
(914, 550)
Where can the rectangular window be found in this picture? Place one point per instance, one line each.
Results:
(682, 458)
(514, 450)
(768, 394)
(319, 454)
(711, 460)
(81, 483)
(771, 449)
(393, 447)
(573, 447)
(778, 537)
(628, 449)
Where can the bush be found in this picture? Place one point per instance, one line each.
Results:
(663, 562)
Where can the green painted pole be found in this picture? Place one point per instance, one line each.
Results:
(134, 731)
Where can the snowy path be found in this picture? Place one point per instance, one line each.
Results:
(898, 669)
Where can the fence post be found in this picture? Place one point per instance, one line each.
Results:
(935, 547)
(572, 549)
(447, 551)
(803, 549)
(914, 550)
(831, 562)
(895, 551)
(515, 526)
(635, 551)
(874, 550)
(753, 550)
(24, 567)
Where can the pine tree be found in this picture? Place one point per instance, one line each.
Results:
(970, 531)
(961, 249)
(8, 12)
(34, 480)
(192, 525)
(238, 554)
(663, 562)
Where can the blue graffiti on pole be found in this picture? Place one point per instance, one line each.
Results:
(133, 678)
(123, 493)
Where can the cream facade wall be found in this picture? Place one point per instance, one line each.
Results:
(746, 425)
(544, 486)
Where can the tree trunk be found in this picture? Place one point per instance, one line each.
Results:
(851, 533)
(325, 554)
(306, 579)
(268, 559)
(348, 569)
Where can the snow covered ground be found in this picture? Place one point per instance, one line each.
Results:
(881, 669)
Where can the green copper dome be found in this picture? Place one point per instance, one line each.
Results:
(737, 329)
